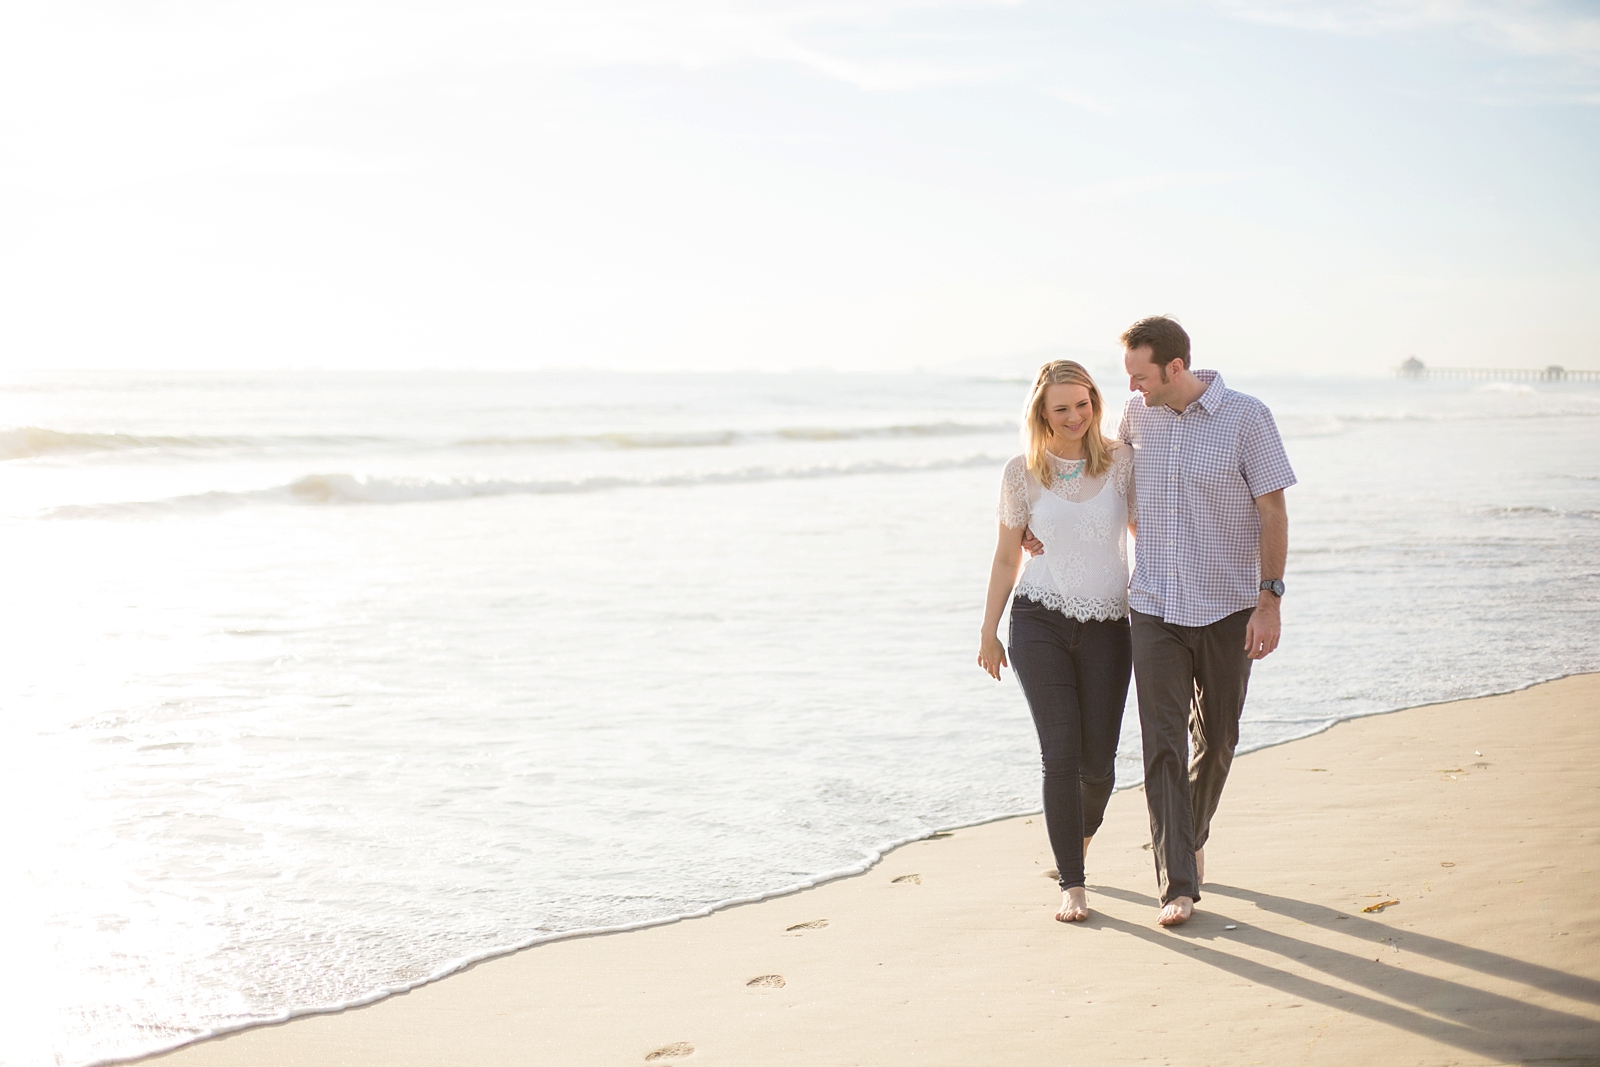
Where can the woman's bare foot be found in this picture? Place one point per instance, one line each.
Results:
(1074, 906)
(1176, 912)
(1199, 866)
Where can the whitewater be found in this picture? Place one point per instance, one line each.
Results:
(318, 686)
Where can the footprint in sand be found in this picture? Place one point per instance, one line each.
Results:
(1051, 873)
(672, 1051)
(913, 879)
(768, 981)
(814, 924)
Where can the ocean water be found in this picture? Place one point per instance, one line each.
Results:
(316, 686)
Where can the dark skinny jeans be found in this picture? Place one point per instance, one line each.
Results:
(1075, 676)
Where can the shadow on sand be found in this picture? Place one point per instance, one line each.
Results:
(1453, 1012)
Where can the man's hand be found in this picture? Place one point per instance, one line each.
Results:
(1261, 633)
(1032, 544)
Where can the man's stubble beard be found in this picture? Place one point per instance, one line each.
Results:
(1151, 399)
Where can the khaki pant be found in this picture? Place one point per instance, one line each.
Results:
(1191, 682)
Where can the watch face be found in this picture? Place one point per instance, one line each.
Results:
(1273, 586)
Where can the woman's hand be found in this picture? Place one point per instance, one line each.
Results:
(992, 655)
(1002, 578)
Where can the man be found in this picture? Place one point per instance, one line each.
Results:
(1213, 533)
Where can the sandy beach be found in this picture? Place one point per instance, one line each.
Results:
(1469, 829)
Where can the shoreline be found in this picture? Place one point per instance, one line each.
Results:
(195, 1048)
(875, 857)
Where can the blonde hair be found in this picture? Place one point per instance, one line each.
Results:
(1036, 425)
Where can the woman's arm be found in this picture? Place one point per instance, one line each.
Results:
(1133, 502)
(1002, 579)
(1124, 454)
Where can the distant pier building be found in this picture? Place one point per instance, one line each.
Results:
(1415, 368)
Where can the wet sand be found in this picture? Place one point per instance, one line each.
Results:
(1479, 820)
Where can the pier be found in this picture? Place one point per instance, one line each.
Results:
(1415, 368)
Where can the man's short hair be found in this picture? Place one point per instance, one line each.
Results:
(1166, 340)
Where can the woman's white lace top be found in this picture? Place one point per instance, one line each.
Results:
(1083, 523)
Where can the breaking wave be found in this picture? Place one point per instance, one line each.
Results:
(1521, 510)
(35, 442)
(1293, 424)
(717, 438)
(32, 442)
(315, 489)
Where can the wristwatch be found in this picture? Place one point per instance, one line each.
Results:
(1273, 586)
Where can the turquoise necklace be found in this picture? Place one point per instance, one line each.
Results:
(1065, 476)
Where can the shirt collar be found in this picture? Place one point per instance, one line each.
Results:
(1211, 399)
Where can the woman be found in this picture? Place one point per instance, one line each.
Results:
(1073, 490)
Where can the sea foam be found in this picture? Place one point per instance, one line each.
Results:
(342, 488)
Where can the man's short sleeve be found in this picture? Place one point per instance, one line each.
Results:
(1262, 460)
(1125, 428)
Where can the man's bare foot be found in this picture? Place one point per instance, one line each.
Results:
(1176, 912)
(1074, 906)
(1199, 866)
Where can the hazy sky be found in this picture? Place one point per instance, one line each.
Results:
(863, 184)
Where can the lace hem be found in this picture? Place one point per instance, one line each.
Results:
(1082, 608)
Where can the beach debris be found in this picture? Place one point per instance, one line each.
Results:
(1475, 752)
(1446, 863)
(1231, 926)
(814, 924)
(1322, 769)
(672, 1051)
(1452, 770)
(767, 981)
(913, 879)
(941, 833)
(1380, 905)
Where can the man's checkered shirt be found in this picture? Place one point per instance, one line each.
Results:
(1198, 550)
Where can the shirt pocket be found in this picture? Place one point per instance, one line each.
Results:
(1215, 469)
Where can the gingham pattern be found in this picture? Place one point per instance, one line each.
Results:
(1198, 550)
